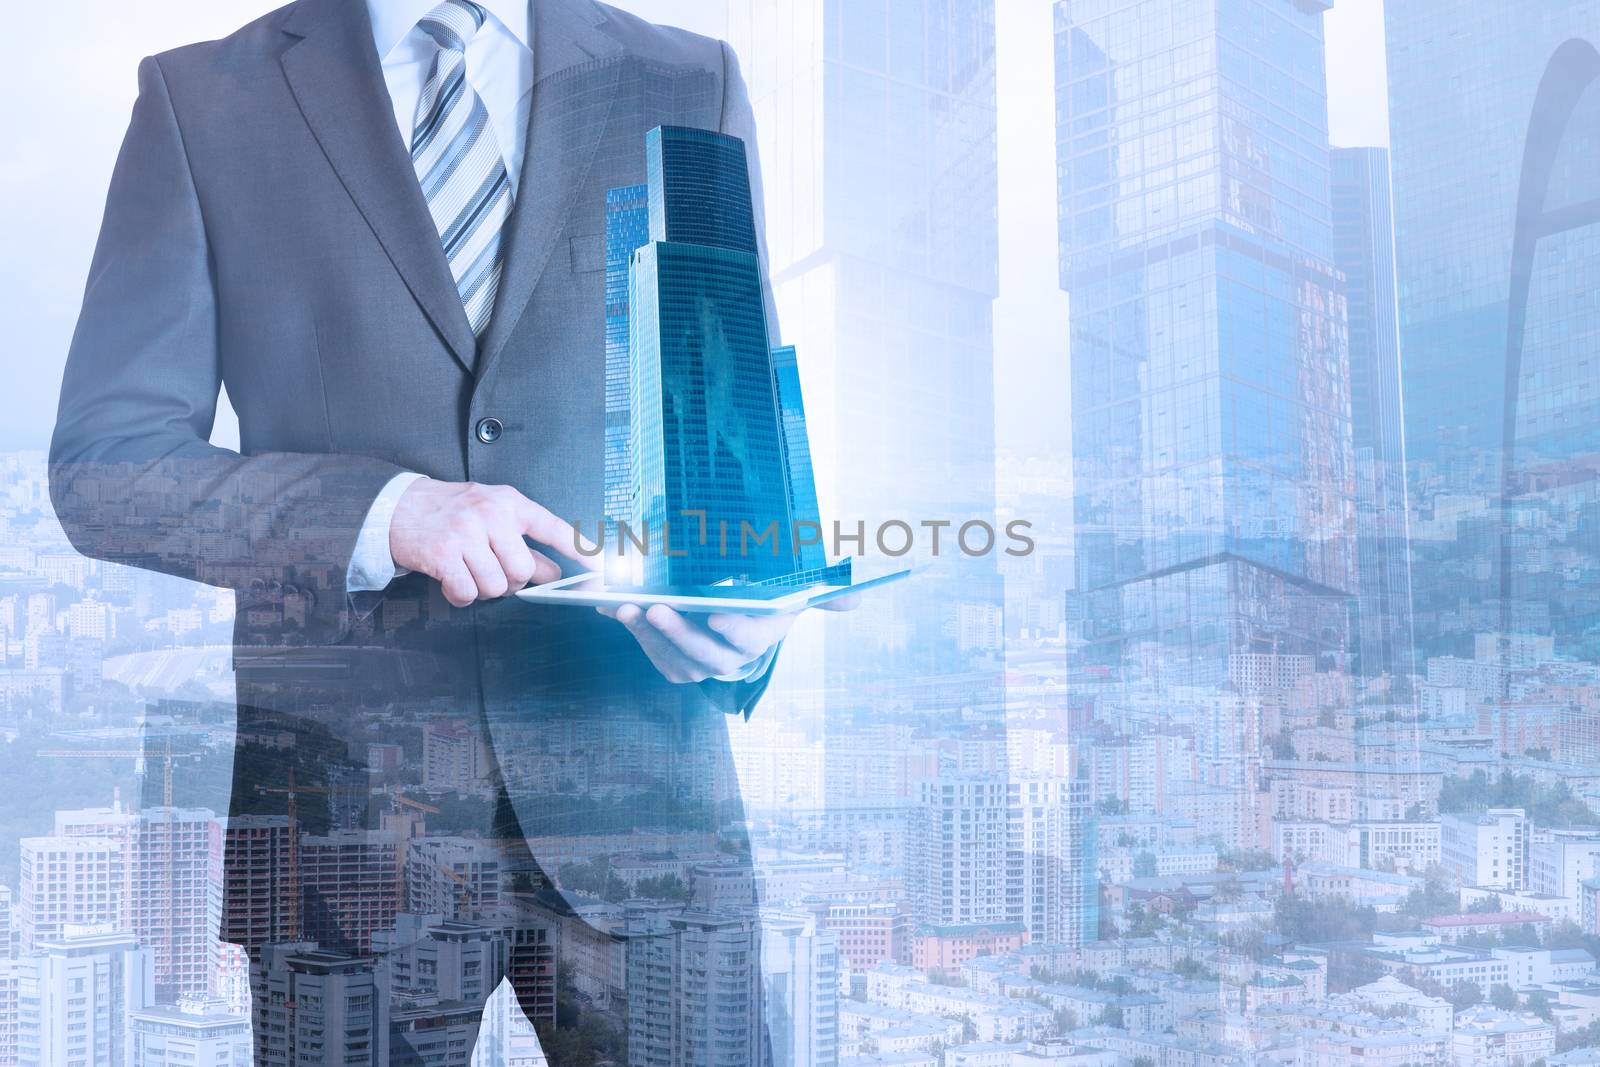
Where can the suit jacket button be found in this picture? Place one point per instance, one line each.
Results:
(489, 430)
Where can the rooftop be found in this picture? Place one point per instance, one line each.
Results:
(1487, 918)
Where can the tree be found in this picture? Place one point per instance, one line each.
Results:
(1144, 865)
(1538, 1002)
(1464, 995)
(1432, 899)
(1586, 1038)
(1547, 803)
(1307, 921)
(585, 877)
(1568, 934)
(1112, 806)
(1111, 1016)
(1348, 970)
(666, 887)
(1503, 997)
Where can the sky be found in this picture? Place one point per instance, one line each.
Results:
(57, 159)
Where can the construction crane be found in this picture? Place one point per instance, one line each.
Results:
(291, 791)
(401, 800)
(139, 756)
(464, 890)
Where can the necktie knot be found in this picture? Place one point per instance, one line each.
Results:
(453, 23)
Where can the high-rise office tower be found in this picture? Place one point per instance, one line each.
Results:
(532, 964)
(1494, 119)
(70, 881)
(1363, 251)
(442, 958)
(353, 884)
(175, 898)
(960, 868)
(811, 555)
(76, 990)
(707, 437)
(8, 924)
(1210, 376)
(627, 230)
(262, 892)
(8, 1011)
(114, 822)
(1053, 844)
(320, 1007)
(678, 958)
(455, 756)
(457, 877)
(878, 131)
(166, 885)
(800, 974)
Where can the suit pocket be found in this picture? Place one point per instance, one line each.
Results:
(588, 253)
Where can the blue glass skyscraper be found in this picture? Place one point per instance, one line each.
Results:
(883, 234)
(1210, 374)
(708, 457)
(797, 452)
(627, 229)
(1498, 250)
(1363, 246)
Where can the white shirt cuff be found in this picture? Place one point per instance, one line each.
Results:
(372, 567)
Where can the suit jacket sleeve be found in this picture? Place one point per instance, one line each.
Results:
(133, 475)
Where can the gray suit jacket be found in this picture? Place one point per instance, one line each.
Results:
(265, 232)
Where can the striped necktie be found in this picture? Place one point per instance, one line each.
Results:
(459, 162)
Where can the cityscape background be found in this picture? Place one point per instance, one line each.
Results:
(1274, 317)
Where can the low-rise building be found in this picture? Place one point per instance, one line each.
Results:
(1451, 928)
(1558, 908)
(1447, 965)
(1377, 889)
(946, 948)
(1531, 966)
(1389, 994)
(1485, 1036)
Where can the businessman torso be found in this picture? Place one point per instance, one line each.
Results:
(266, 233)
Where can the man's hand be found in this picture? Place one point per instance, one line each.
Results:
(471, 538)
(685, 651)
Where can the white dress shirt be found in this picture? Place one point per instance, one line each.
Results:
(500, 70)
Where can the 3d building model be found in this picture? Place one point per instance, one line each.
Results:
(706, 434)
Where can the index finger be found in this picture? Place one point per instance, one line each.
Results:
(554, 532)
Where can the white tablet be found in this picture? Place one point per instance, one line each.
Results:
(592, 590)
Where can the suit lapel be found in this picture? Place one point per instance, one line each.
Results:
(336, 78)
(573, 92)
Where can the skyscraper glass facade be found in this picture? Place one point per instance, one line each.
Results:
(1210, 371)
(1497, 259)
(707, 436)
(878, 130)
(797, 453)
(627, 229)
(1363, 244)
